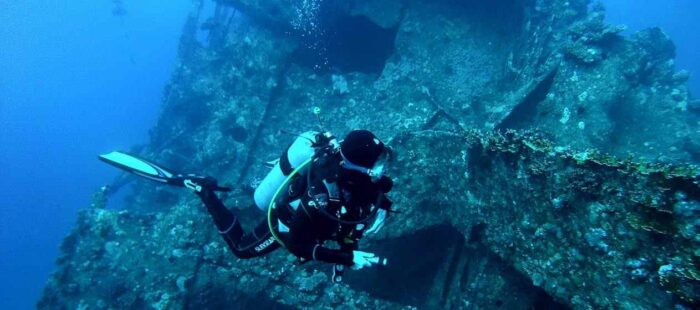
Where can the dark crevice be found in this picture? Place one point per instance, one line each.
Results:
(346, 44)
(544, 301)
(448, 271)
(694, 107)
(524, 113)
(452, 269)
(187, 298)
(275, 93)
(477, 233)
(218, 297)
(442, 117)
(237, 132)
(693, 149)
(621, 115)
(409, 278)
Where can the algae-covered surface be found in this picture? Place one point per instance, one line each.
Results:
(543, 160)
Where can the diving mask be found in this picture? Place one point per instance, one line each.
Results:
(376, 172)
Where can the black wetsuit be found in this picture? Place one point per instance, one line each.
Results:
(303, 226)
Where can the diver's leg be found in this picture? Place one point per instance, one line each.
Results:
(257, 243)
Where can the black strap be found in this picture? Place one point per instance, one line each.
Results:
(333, 199)
(285, 165)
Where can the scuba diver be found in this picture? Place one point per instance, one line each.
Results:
(319, 190)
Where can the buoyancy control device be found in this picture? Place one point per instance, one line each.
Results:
(300, 151)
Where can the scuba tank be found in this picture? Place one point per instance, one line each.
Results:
(297, 153)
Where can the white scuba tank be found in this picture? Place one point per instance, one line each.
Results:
(300, 151)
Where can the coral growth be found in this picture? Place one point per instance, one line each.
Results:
(543, 160)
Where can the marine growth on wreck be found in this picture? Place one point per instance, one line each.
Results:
(542, 160)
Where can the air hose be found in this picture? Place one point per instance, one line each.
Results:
(274, 198)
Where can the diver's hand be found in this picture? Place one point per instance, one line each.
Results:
(364, 259)
(361, 259)
(378, 223)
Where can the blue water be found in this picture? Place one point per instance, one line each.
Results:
(76, 81)
(678, 19)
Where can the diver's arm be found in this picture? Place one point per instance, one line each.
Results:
(349, 246)
(302, 241)
(327, 255)
(317, 252)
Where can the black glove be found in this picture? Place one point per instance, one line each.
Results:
(385, 184)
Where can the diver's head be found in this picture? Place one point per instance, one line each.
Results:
(365, 157)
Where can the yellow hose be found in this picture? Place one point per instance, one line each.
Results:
(274, 198)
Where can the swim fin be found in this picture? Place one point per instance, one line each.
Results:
(152, 171)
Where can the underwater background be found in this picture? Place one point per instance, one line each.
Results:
(75, 80)
(88, 77)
